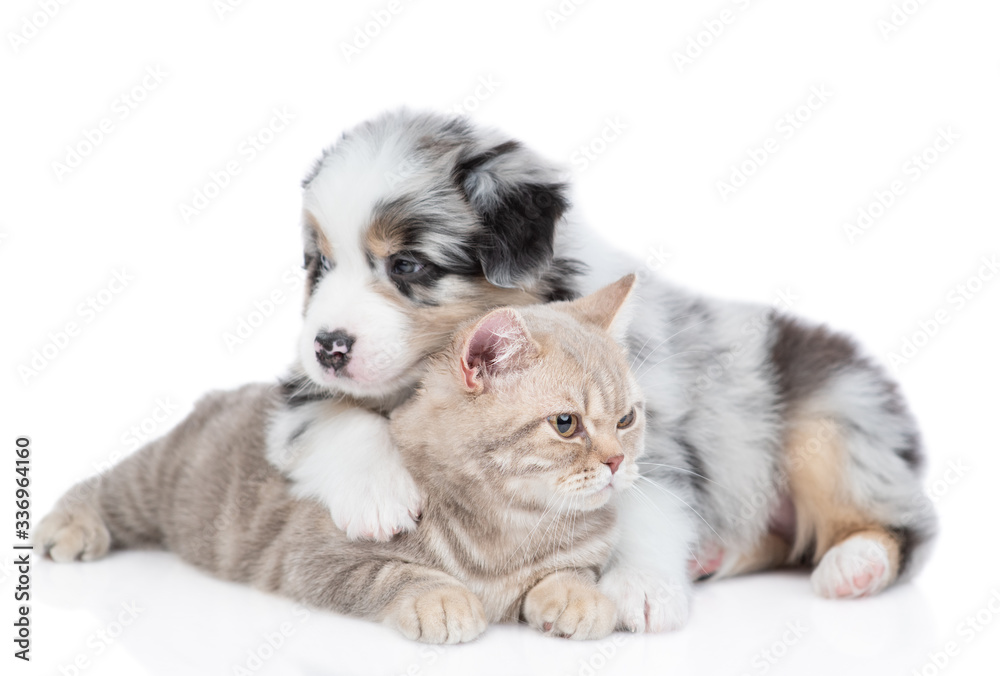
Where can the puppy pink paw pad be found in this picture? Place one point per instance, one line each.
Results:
(706, 560)
(857, 567)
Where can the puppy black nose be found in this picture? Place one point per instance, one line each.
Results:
(333, 348)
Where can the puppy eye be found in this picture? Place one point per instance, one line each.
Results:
(325, 262)
(401, 266)
(627, 420)
(565, 424)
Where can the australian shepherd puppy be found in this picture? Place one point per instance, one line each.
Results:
(413, 225)
(769, 441)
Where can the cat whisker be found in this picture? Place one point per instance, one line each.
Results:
(667, 339)
(510, 502)
(679, 469)
(671, 356)
(545, 534)
(693, 510)
(635, 488)
(304, 386)
(664, 341)
(548, 505)
(639, 351)
(564, 529)
(572, 535)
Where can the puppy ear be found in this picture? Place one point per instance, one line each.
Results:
(518, 199)
(499, 343)
(608, 308)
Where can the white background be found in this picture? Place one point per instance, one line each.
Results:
(159, 343)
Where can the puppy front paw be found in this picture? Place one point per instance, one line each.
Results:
(442, 615)
(646, 602)
(354, 468)
(565, 605)
(378, 507)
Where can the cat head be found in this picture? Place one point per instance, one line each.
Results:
(536, 405)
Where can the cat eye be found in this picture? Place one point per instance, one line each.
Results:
(565, 424)
(627, 420)
(401, 266)
(325, 262)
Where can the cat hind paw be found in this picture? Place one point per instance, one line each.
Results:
(73, 535)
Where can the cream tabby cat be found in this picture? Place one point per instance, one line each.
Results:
(530, 420)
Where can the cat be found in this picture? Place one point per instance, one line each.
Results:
(524, 434)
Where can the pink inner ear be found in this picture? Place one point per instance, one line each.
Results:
(493, 346)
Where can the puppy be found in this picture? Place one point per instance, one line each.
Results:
(778, 440)
(412, 224)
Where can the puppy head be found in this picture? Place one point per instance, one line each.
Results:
(413, 224)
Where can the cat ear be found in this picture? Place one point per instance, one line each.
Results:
(608, 307)
(498, 343)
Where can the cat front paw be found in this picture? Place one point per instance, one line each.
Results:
(645, 602)
(442, 615)
(566, 606)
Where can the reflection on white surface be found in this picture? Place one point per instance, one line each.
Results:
(186, 622)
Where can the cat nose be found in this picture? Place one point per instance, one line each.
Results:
(614, 462)
(333, 348)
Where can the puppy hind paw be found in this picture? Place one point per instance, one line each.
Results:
(706, 561)
(857, 567)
